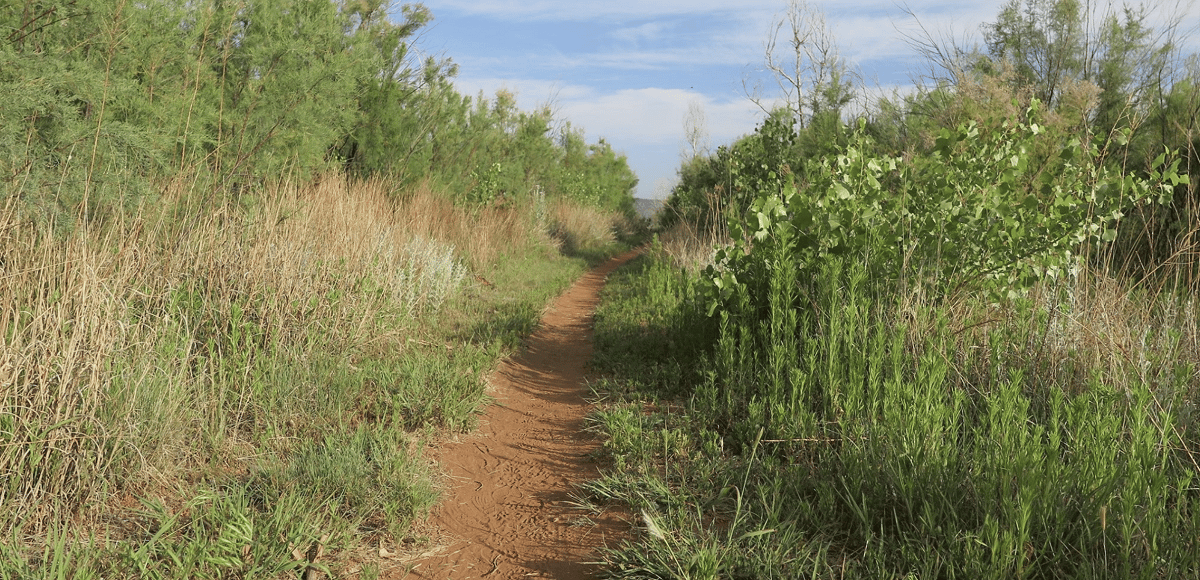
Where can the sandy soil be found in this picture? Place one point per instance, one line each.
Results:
(508, 512)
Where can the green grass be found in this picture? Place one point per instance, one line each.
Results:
(505, 304)
(864, 436)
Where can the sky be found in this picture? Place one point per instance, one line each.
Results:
(629, 70)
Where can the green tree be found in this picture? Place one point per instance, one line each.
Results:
(287, 90)
(71, 125)
(105, 99)
(400, 100)
(1044, 39)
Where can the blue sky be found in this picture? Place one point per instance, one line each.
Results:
(627, 70)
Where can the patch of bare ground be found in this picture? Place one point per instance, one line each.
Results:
(507, 513)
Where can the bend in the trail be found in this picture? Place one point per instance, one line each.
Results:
(507, 513)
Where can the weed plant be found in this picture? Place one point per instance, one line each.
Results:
(870, 435)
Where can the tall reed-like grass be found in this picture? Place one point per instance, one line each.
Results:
(481, 234)
(840, 430)
(690, 248)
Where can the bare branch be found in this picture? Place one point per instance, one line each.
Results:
(802, 57)
(947, 58)
(695, 130)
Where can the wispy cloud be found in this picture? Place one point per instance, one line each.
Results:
(655, 115)
(648, 32)
(646, 123)
(648, 59)
(649, 115)
(739, 41)
(525, 10)
(652, 119)
(648, 36)
(531, 93)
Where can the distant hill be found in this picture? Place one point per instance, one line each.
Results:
(648, 208)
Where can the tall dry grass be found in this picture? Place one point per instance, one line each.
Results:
(481, 234)
(574, 227)
(691, 247)
(1067, 333)
(131, 354)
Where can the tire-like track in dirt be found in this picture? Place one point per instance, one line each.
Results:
(508, 512)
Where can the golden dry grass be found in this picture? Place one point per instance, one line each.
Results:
(481, 234)
(123, 347)
(574, 226)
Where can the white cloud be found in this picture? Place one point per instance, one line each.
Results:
(645, 115)
(531, 93)
(654, 115)
(649, 31)
(645, 124)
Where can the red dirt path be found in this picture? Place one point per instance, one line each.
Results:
(507, 514)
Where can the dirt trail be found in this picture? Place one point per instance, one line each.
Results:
(507, 515)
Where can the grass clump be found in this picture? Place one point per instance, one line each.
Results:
(376, 474)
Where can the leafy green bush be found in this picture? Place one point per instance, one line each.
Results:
(989, 209)
(883, 395)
